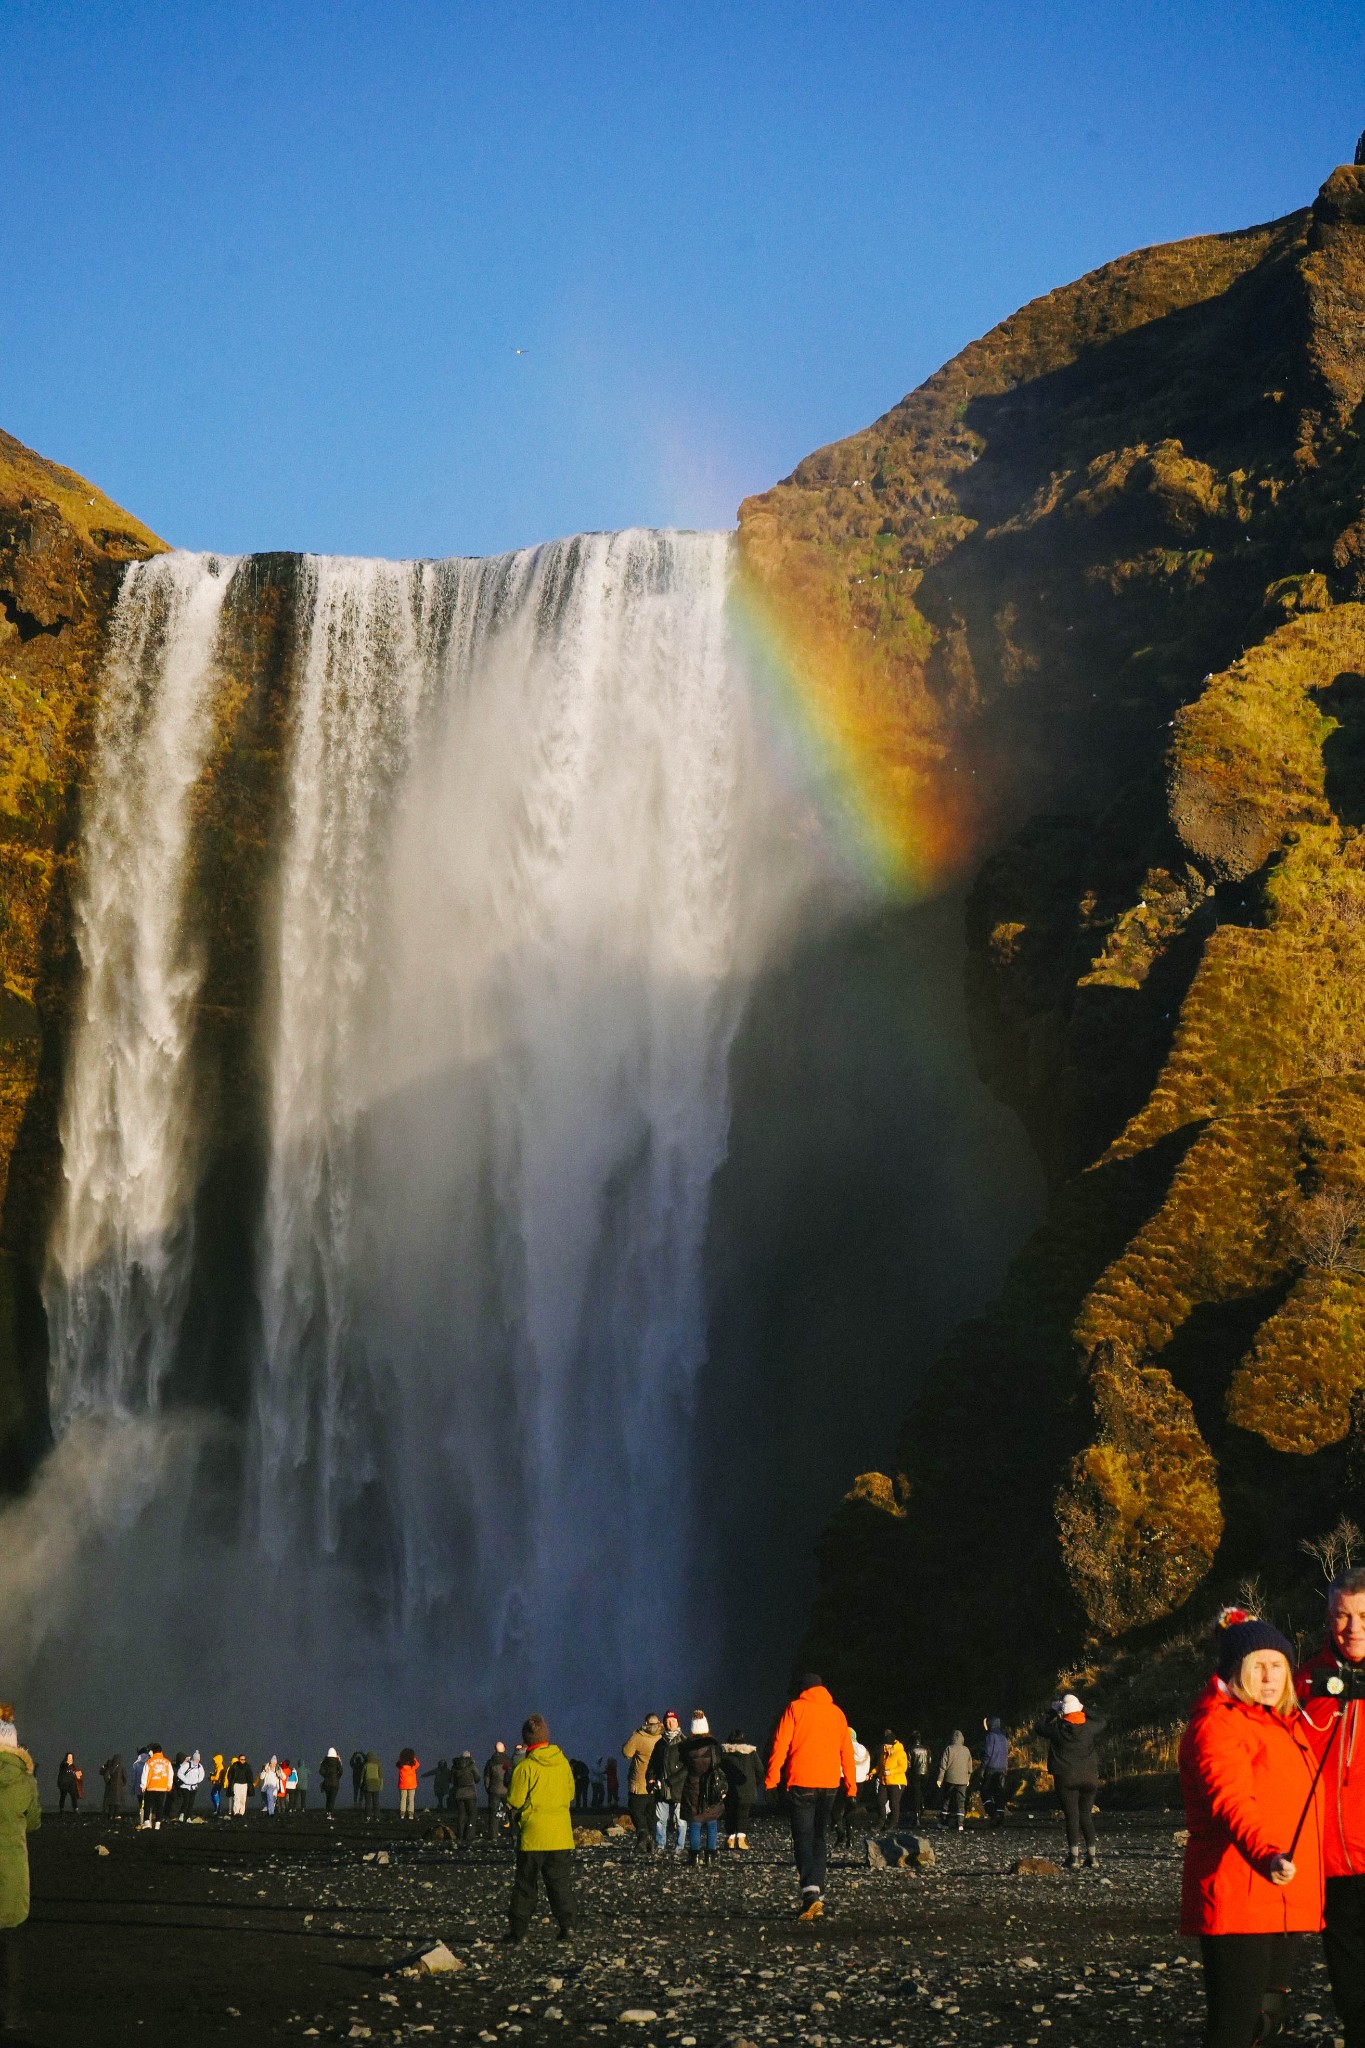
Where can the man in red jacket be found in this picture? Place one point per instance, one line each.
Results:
(813, 1752)
(1342, 1660)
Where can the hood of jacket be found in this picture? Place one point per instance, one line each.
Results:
(821, 1693)
(740, 1749)
(993, 1726)
(957, 1737)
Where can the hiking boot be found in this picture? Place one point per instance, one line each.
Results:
(692, 1856)
(1092, 1859)
(741, 1841)
(1073, 1860)
(814, 1909)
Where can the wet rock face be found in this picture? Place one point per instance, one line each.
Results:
(62, 548)
(1110, 558)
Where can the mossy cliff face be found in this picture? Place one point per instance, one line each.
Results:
(1114, 558)
(63, 546)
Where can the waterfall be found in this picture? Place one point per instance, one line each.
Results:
(120, 1251)
(532, 851)
(521, 878)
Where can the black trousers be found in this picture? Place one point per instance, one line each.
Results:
(953, 1802)
(1078, 1803)
(556, 1867)
(329, 1793)
(466, 1805)
(893, 1795)
(1239, 1970)
(916, 1790)
(993, 1794)
(65, 1794)
(811, 1811)
(1343, 1943)
(642, 1813)
(154, 1805)
(11, 1979)
(737, 1813)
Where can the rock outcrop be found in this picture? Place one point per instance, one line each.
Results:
(63, 545)
(1110, 562)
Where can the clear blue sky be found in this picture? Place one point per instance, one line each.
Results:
(267, 266)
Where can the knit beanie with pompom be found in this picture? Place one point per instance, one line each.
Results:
(1239, 1634)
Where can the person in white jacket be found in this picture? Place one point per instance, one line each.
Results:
(269, 1782)
(189, 1778)
(862, 1770)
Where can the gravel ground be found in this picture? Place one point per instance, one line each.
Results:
(257, 1931)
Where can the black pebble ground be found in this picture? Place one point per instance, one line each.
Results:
(265, 1931)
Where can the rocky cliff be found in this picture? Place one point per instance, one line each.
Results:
(62, 548)
(1109, 564)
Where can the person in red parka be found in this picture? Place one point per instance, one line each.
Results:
(1340, 1722)
(1248, 1765)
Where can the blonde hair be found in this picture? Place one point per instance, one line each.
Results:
(1288, 1701)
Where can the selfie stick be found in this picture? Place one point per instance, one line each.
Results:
(1317, 1778)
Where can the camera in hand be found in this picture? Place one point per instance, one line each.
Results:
(1338, 1682)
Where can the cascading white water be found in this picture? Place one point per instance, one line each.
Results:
(120, 1252)
(533, 854)
(525, 884)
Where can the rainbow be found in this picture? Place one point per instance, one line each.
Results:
(879, 774)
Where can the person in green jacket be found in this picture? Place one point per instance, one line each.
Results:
(372, 1780)
(540, 1795)
(19, 1816)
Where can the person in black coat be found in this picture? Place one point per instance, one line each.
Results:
(329, 1777)
(68, 1784)
(705, 1789)
(1075, 1767)
(357, 1776)
(743, 1774)
(464, 1794)
(115, 1783)
(496, 1773)
(667, 1774)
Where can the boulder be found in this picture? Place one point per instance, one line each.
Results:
(434, 1962)
(900, 1852)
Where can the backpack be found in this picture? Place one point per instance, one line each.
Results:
(715, 1788)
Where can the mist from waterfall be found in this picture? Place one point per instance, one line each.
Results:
(536, 844)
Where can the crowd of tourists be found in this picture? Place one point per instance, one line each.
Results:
(1273, 1787)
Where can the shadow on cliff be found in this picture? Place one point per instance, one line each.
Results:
(872, 1196)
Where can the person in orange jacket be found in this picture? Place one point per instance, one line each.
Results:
(812, 1755)
(408, 1769)
(1248, 1773)
(1331, 1686)
(158, 1782)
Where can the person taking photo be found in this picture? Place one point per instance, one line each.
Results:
(1252, 1879)
(1331, 1687)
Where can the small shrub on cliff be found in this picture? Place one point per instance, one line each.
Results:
(1327, 1231)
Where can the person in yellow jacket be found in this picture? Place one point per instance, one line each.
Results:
(893, 1770)
(540, 1795)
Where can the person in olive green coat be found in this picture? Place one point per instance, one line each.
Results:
(540, 1795)
(19, 1816)
(372, 1781)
